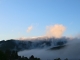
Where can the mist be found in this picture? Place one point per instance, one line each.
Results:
(70, 51)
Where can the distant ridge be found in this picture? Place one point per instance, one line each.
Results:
(37, 43)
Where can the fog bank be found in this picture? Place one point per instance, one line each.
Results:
(70, 51)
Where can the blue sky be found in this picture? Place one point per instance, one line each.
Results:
(16, 16)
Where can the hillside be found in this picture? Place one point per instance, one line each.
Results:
(38, 43)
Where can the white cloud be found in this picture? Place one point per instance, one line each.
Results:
(55, 31)
(29, 28)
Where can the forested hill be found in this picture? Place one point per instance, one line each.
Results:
(38, 43)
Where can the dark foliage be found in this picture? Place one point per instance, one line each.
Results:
(12, 55)
(60, 59)
(57, 59)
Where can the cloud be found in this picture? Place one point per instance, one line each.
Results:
(22, 38)
(29, 28)
(55, 31)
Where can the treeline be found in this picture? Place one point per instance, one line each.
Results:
(60, 59)
(13, 55)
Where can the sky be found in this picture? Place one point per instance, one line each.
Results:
(30, 18)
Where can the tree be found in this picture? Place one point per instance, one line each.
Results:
(66, 59)
(57, 59)
(32, 57)
(2, 56)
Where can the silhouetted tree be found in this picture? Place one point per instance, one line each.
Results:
(25, 58)
(12, 55)
(2, 56)
(31, 58)
(66, 59)
(8, 54)
(57, 59)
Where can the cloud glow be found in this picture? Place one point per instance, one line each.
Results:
(55, 30)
